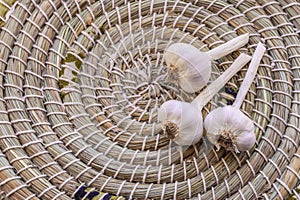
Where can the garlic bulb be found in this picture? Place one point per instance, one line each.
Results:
(228, 126)
(191, 67)
(182, 122)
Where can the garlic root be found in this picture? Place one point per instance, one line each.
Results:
(170, 129)
(228, 126)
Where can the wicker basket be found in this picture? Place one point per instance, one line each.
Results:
(81, 82)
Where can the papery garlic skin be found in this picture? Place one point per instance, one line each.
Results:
(181, 121)
(228, 127)
(191, 66)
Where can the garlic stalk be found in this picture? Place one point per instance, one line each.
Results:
(228, 126)
(191, 67)
(204, 97)
(182, 122)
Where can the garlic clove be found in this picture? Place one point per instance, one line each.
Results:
(170, 110)
(230, 128)
(182, 122)
(246, 141)
(192, 84)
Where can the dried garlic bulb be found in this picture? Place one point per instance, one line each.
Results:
(228, 126)
(191, 67)
(182, 122)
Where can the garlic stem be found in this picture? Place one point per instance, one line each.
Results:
(204, 97)
(228, 47)
(250, 75)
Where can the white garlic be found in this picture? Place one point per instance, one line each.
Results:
(191, 67)
(228, 126)
(182, 122)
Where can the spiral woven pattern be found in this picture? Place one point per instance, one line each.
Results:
(82, 80)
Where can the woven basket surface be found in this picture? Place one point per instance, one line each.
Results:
(82, 80)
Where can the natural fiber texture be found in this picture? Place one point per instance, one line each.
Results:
(82, 80)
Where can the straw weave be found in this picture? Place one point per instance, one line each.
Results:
(82, 80)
